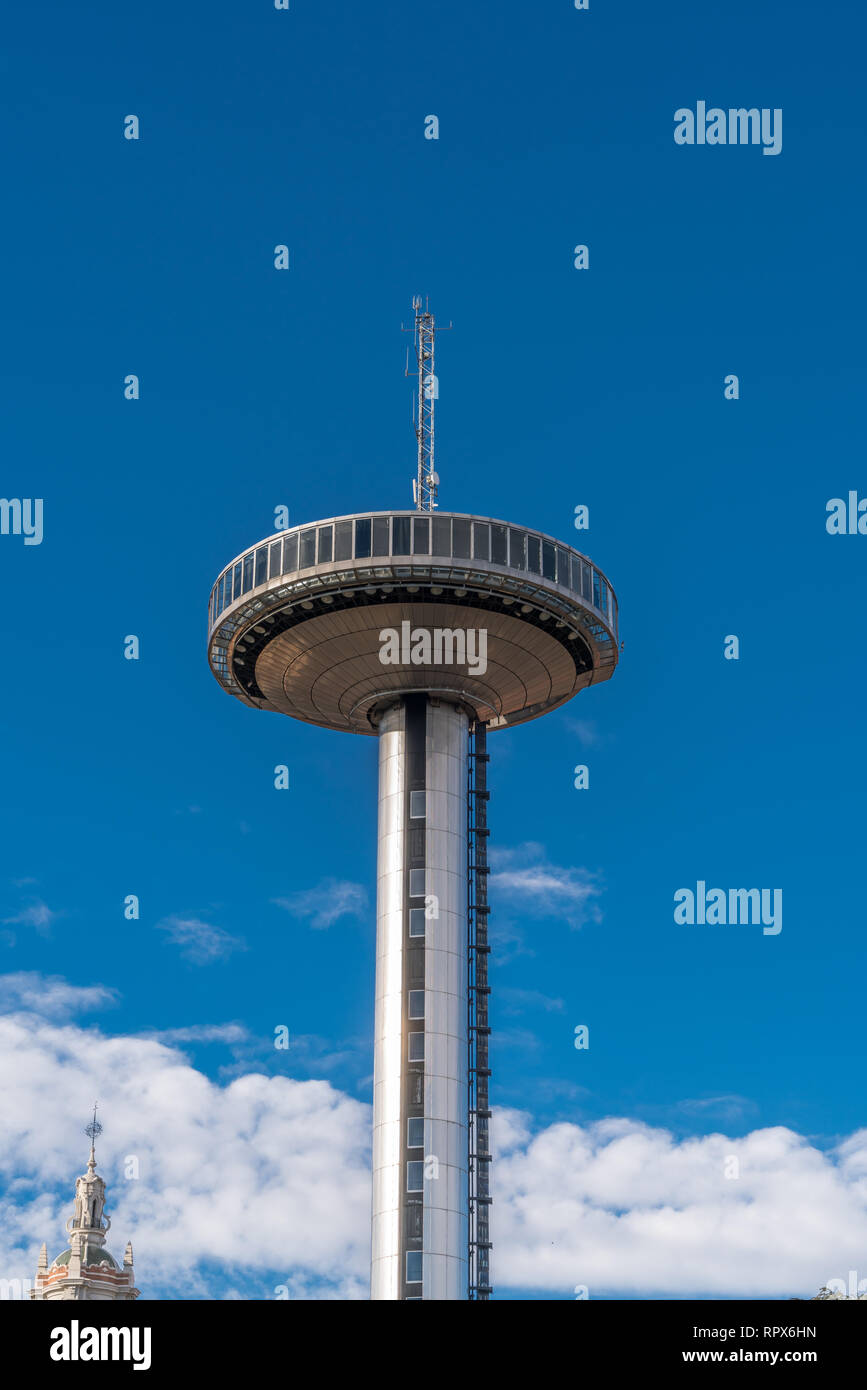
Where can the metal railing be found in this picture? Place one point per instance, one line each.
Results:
(419, 538)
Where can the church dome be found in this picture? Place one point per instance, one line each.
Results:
(91, 1255)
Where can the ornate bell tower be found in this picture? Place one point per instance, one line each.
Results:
(86, 1270)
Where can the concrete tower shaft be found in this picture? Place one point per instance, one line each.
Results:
(420, 1206)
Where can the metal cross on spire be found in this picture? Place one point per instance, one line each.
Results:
(426, 481)
(93, 1130)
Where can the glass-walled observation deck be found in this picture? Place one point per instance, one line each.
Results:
(414, 538)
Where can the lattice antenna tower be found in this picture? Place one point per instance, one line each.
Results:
(426, 482)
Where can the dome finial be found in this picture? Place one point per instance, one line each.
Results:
(93, 1130)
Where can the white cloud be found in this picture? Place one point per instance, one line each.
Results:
(728, 1107)
(524, 878)
(201, 942)
(36, 914)
(628, 1209)
(51, 995)
(585, 730)
(326, 903)
(266, 1176)
(200, 1033)
(623, 1207)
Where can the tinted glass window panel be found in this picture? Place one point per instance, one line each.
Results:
(421, 536)
(534, 554)
(498, 545)
(400, 535)
(248, 572)
(221, 589)
(414, 1183)
(307, 552)
(481, 541)
(416, 805)
(416, 1047)
(380, 535)
(236, 580)
(290, 553)
(563, 567)
(261, 564)
(576, 575)
(416, 1003)
(416, 883)
(442, 535)
(343, 540)
(517, 542)
(415, 1132)
(596, 600)
(549, 560)
(416, 921)
(362, 538)
(585, 581)
(461, 539)
(276, 560)
(414, 1265)
(326, 545)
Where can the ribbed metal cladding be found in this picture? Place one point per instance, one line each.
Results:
(420, 1199)
(388, 1054)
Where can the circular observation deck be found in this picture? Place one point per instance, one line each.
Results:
(508, 622)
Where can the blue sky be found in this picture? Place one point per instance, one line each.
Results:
(557, 387)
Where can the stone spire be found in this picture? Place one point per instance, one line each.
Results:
(86, 1270)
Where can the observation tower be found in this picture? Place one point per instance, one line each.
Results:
(423, 629)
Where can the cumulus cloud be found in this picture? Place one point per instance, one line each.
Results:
(201, 942)
(623, 1207)
(628, 1209)
(325, 904)
(267, 1177)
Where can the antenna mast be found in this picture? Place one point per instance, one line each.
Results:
(426, 482)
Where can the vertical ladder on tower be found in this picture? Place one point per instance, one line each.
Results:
(478, 1029)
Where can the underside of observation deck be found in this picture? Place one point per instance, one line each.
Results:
(309, 642)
